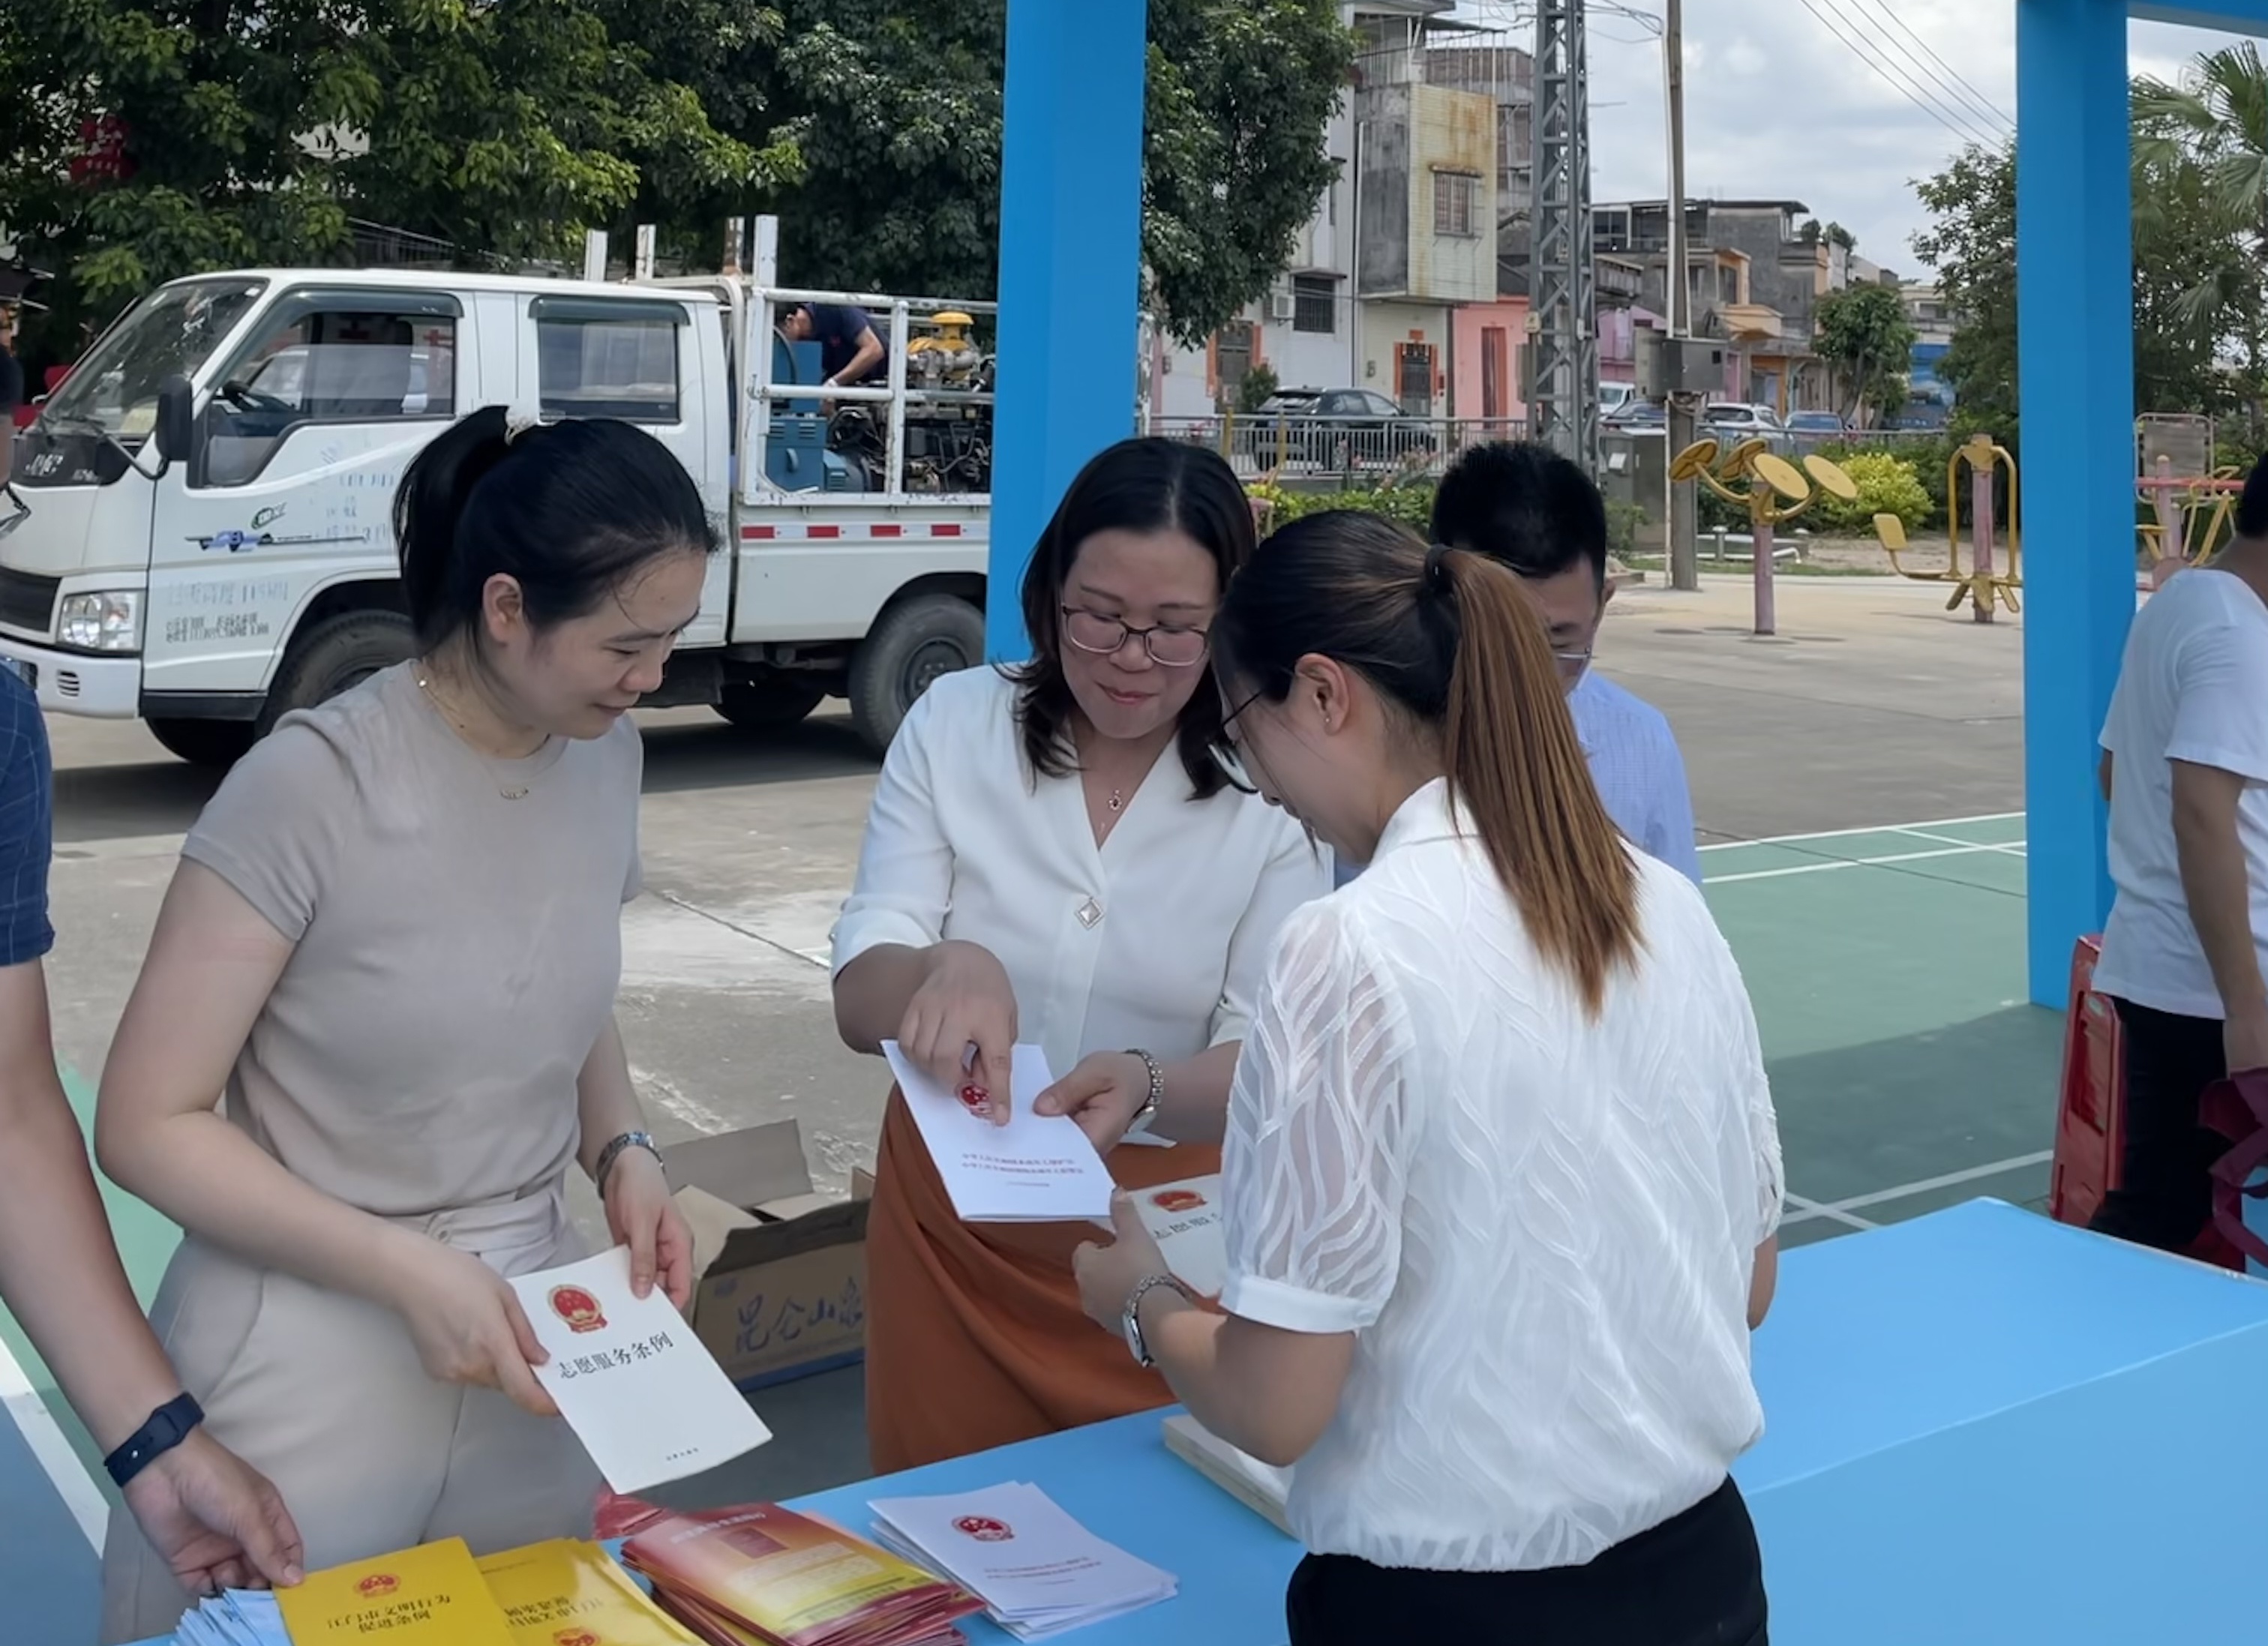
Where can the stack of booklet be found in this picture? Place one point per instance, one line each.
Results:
(764, 1575)
(563, 1593)
(1038, 1571)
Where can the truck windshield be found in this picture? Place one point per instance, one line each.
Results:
(174, 330)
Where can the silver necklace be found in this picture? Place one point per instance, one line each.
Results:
(509, 792)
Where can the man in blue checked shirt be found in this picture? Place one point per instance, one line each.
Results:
(215, 1520)
(1527, 506)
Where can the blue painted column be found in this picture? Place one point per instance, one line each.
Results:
(1071, 248)
(2076, 317)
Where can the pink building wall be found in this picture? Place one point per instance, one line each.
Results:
(1474, 339)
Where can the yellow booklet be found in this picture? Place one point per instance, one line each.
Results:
(566, 1593)
(434, 1595)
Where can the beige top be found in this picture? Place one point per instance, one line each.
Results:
(457, 952)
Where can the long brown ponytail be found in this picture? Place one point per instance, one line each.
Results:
(1450, 639)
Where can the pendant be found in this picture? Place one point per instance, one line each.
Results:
(1116, 800)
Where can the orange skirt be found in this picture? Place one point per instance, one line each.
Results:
(974, 1336)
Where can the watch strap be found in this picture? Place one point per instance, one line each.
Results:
(1143, 1288)
(167, 1428)
(1157, 1086)
(612, 1152)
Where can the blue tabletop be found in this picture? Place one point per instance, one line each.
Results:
(1982, 1428)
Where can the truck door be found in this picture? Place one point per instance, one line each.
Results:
(641, 359)
(305, 432)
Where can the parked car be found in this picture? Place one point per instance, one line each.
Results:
(1332, 428)
(1814, 427)
(1733, 421)
(1635, 417)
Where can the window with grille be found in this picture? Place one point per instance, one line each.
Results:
(1455, 202)
(1314, 303)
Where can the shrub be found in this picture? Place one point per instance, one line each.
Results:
(1888, 484)
(1411, 505)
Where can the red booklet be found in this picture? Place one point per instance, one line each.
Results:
(762, 1576)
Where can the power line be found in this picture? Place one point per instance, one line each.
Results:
(1950, 120)
(1974, 96)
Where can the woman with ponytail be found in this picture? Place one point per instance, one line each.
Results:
(1501, 1176)
(392, 942)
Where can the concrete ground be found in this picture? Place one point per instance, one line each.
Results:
(1871, 708)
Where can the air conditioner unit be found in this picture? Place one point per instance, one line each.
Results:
(1282, 305)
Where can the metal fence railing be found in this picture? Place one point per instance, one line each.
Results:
(1358, 449)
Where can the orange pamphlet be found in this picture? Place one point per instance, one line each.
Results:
(567, 1593)
(784, 1577)
(434, 1595)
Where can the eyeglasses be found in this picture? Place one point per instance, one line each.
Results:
(1228, 756)
(1171, 646)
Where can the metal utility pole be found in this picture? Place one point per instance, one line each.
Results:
(1679, 430)
(1565, 393)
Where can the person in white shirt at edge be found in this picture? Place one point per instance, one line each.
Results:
(1527, 507)
(1501, 1180)
(1055, 854)
(2185, 770)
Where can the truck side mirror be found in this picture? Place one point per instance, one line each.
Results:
(177, 423)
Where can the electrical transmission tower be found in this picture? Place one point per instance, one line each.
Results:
(1566, 396)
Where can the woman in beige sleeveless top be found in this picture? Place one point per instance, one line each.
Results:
(394, 940)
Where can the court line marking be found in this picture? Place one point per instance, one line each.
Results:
(1839, 1211)
(2014, 847)
(1845, 834)
(1807, 1209)
(45, 1438)
(1832, 863)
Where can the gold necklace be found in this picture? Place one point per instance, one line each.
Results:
(509, 792)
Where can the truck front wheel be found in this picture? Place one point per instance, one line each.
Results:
(219, 744)
(910, 645)
(335, 655)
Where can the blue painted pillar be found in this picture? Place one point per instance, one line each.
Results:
(1071, 249)
(2076, 317)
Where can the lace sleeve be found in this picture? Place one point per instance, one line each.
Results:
(1314, 1159)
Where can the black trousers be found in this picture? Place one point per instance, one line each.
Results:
(1697, 1580)
(2165, 1198)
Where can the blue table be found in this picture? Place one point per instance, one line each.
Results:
(1984, 1429)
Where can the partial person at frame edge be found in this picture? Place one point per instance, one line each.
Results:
(1514, 1398)
(394, 941)
(1532, 511)
(213, 1521)
(1055, 853)
(2185, 769)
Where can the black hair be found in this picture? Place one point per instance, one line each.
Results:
(1454, 646)
(1523, 504)
(568, 510)
(1147, 484)
(2252, 506)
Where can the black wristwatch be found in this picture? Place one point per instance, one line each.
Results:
(167, 1428)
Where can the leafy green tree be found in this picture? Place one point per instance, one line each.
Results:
(1971, 243)
(895, 110)
(258, 132)
(1864, 330)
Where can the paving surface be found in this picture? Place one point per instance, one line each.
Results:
(1887, 964)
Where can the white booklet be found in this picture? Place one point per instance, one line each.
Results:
(1038, 1168)
(1037, 1571)
(1185, 1220)
(646, 1398)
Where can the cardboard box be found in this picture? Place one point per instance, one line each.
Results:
(781, 1292)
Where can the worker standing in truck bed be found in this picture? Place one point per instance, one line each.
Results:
(850, 351)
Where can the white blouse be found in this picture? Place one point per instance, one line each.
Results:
(1157, 938)
(1540, 1226)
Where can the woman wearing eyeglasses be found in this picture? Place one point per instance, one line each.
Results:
(1055, 854)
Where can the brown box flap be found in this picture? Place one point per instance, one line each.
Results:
(837, 1223)
(751, 1167)
(712, 1222)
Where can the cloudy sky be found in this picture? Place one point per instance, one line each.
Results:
(1795, 99)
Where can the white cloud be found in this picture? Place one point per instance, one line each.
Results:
(1777, 106)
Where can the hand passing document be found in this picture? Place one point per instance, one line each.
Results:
(1038, 1168)
(647, 1400)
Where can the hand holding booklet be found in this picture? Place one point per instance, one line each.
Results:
(641, 1391)
(1038, 1168)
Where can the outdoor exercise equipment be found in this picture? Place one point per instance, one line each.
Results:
(1776, 491)
(2195, 515)
(1983, 585)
